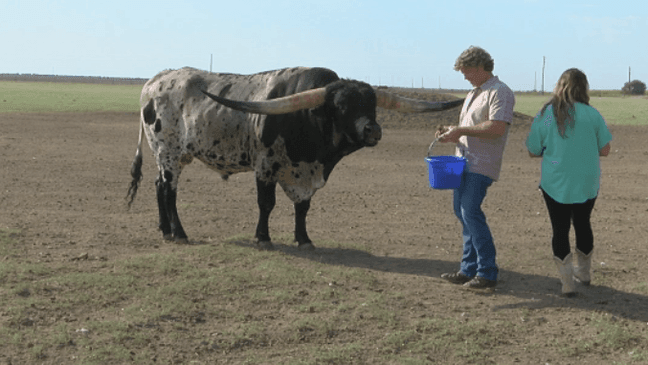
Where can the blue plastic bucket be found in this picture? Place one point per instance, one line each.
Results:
(445, 171)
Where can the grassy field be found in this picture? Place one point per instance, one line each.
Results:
(90, 303)
(43, 97)
(615, 108)
(158, 293)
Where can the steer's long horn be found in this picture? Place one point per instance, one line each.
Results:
(392, 101)
(287, 104)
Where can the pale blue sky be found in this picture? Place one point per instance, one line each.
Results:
(395, 43)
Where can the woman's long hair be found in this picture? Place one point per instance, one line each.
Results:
(572, 87)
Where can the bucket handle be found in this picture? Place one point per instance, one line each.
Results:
(429, 152)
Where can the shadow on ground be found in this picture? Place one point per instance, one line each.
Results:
(534, 291)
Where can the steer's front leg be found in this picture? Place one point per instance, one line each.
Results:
(266, 198)
(303, 242)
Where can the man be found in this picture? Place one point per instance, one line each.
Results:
(480, 136)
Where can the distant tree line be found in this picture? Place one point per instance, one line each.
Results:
(76, 79)
(635, 87)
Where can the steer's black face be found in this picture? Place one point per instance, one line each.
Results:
(354, 113)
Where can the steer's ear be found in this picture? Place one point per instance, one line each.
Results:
(395, 102)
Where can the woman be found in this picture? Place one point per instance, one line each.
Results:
(570, 135)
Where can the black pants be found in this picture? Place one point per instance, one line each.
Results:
(561, 216)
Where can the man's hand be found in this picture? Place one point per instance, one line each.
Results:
(447, 134)
(440, 130)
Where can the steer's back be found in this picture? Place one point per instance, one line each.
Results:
(181, 123)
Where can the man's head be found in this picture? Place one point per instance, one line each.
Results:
(476, 65)
(475, 57)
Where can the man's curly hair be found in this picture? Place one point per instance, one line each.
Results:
(475, 57)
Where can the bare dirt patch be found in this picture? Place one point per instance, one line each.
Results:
(63, 179)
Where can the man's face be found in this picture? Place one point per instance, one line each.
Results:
(475, 75)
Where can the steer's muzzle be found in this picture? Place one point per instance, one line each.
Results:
(372, 134)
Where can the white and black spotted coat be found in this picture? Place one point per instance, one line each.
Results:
(298, 151)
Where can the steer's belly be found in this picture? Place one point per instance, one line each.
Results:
(227, 165)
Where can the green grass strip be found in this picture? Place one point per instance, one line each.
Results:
(46, 97)
(616, 109)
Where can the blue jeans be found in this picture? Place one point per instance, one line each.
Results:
(478, 247)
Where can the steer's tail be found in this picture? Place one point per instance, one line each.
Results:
(136, 168)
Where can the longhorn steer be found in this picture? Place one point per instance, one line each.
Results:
(289, 126)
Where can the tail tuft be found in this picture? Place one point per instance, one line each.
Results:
(136, 173)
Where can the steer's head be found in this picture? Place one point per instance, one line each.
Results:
(351, 108)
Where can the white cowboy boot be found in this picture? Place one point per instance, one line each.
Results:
(566, 271)
(583, 267)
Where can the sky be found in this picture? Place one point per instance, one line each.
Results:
(393, 43)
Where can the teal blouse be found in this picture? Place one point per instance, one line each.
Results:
(571, 167)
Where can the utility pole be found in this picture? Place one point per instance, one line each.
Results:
(629, 72)
(543, 74)
(211, 61)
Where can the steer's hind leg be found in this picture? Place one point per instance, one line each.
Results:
(266, 198)
(301, 237)
(167, 196)
(164, 225)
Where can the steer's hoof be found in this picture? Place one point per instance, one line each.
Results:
(181, 241)
(306, 247)
(168, 237)
(265, 245)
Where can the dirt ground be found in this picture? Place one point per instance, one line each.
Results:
(63, 179)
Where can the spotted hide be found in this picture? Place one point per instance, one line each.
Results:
(289, 126)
